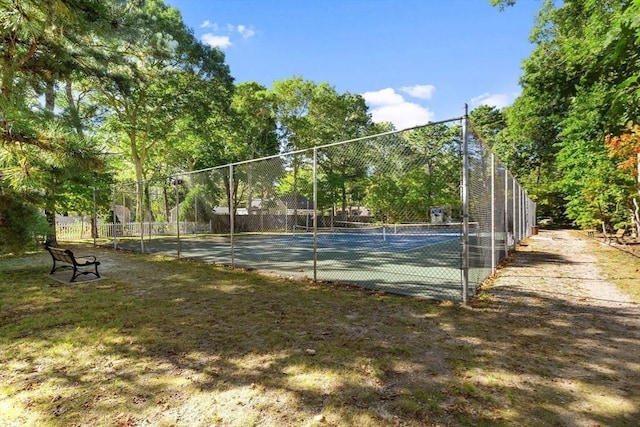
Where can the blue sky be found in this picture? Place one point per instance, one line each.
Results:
(414, 61)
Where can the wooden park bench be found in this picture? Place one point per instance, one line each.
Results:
(69, 260)
(618, 236)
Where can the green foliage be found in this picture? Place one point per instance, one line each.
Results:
(195, 206)
(310, 115)
(621, 60)
(301, 183)
(94, 92)
(579, 86)
(415, 172)
(488, 122)
(162, 89)
(21, 225)
(501, 4)
(599, 195)
(82, 78)
(44, 159)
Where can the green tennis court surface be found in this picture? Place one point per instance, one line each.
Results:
(420, 266)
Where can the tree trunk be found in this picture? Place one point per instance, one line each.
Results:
(165, 197)
(137, 161)
(73, 109)
(635, 216)
(50, 211)
(250, 189)
(50, 96)
(51, 239)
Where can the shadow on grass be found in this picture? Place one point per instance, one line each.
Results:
(164, 341)
(576, 361)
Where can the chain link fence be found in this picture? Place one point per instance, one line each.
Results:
(426, 212)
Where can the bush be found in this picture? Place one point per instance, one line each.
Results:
(21, 225)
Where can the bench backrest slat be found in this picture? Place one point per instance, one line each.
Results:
(64, 255)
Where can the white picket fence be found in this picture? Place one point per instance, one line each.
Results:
(75, 231)
(82, 230)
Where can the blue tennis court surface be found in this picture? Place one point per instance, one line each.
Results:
(418, 264)
(361, 242)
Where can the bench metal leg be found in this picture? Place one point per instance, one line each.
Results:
(77, 272)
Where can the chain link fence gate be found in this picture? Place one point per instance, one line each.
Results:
(427, 212)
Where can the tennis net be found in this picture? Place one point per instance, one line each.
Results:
(408, 229)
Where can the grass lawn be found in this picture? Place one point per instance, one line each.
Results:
(164, 342)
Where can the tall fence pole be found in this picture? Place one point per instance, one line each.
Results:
(140, 193)
(315, 214)
(177, 183)
(492, 158)
(521, 211)
(114, 229)
(231, 216)
(532, 214)
(514, 216)
(94, 222)
(465, 206)
(506, 213)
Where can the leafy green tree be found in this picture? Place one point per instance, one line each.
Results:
(163, 71)
(247, 131)
(488, 122)
(44, 43)
(292, 100)
(21, 225)
(416, 171)
(338, 117)
(596, 196)
(310, 115)
(254, 136)
(579, 91)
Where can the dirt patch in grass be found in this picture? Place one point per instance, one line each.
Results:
(166, 342)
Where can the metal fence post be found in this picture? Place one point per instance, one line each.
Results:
(534, 213)
(177, 183)
(94, 223)
(493, 212)
(506, 213)
(231, 215)
(315, 214)
(514, 217)
(527, 227)
(140, 193)
(114, 229)
(465, 206)
(521, 211)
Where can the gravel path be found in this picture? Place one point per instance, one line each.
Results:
(585, 333)
(566, 269)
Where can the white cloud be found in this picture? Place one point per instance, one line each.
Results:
(245, 32)
(216, 41)
(389, 106)
(209, 24)
(419, 91)
(228, 32)
(498, 100)
(386, 96)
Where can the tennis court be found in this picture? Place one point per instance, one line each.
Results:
(384, 212)
(410, 262)
(393, 238)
